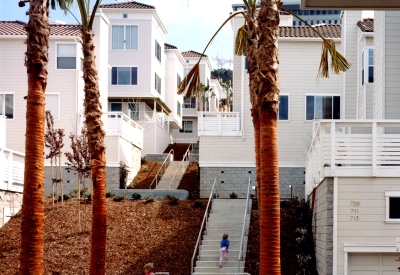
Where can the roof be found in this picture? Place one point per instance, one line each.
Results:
(127, 5)
(192, 54)
(17, 28)
(367, 25)
(328, 31)
(170, 47)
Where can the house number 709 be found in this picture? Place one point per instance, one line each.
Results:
(354, 203)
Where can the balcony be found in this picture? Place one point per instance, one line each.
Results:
(11, 170)
(353, 148)
(219, 124)
(150, 116)
(117, 123)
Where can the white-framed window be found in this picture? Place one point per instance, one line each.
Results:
(66, 56)
(124, 76)
(322, 107)
(392, 206)
(134, 110)
(53, 104)
(189, 102)
(367, 73)
(157, 83)
(158, 51)
(187, 126)
(7, 104)
(115, 107)
(125, 37)
(283, 107)
(178, 108)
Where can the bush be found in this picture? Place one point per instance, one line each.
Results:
(88, 197)
(65, 197)
(136, 196)
(143, 160)
(198, 203)
(119, 197)
(110, 194)
(150, 198)
(172, 200)
(233, 195)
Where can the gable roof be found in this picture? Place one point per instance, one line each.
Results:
(367, 25)
(170, 47)
(127, 5)
(17, 28)
(192, 54)
(328, 31)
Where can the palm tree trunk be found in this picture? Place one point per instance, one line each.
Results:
(256, 124)
(98, 154)
(36, 59)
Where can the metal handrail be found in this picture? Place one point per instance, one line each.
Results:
(210, 199)
(247, 211)
(162, 165)
(185, 156)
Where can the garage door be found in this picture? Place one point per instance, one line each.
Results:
(373, 263)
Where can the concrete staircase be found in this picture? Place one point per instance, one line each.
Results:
(226, 217)
(169, 175)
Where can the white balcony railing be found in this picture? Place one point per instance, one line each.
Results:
(117, 123)
(11, 170)
(148, 116)
(353, 148)
(219, 124)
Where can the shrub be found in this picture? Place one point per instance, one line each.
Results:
(119, 197)
(88, 197)
(198, 203)
(110, 194)
(143, 160)
(149, 198)
(172, 200)
(233, 195)
(65, 197)
(136, 196)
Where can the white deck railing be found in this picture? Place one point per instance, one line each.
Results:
(2, 131)
(219, 124)
(353, 148)
(117, 123)
(11, 170)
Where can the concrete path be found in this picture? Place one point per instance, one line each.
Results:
(165, 182)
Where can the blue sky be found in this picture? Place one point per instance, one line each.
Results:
(190, 23)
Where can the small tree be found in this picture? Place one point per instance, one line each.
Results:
(205, 93)
(227, 86)
(53, 140)
(79, 161)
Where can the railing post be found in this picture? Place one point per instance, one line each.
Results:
(333, 151)
(374, 140)
(219, 124)
(10, 171)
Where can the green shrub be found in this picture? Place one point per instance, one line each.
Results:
(119, 197)
(65, 197)
(172, 200)
(233, 195)
(110, 194)
(88, 197)
(148, 199)
(136, 196)
(143, 160)
(198, 203)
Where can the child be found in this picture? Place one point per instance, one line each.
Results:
(148, 269)
(224, 250)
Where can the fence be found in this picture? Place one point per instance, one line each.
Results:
(219, 124)
(11, 170)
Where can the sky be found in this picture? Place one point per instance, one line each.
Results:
(190, 23)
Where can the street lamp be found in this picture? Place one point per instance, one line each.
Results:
(290, 191)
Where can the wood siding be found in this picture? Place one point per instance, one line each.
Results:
(379, 61)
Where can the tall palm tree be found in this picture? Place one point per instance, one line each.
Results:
(258, 40)
(227, 86)
(95, 133)
(36, 59)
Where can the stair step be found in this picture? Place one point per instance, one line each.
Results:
(215, 263)
(217, 270)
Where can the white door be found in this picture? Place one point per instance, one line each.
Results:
(373, 263)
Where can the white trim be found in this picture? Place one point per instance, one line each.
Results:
(343, 44)
(365, 56)
(388, 195)
(288, 95)
(369, 248)
(317, 94)
(123, 50)
(77, 67)
(335, 225)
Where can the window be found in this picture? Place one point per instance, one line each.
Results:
(246, 63)
(134, 109)
(322, 107)
(124, 15)
(157, 83)
(124, 75)
(178, 108)
(284, 107)
(66, 56)
(178, 80)
(300, 23)
(323, 11)
(116, 107)
(318, 12)
(294, 23)
(53, 104)
(367, 74)
(186, 71)
(335, 21)
(187, 126)
(158, 51)
(7, 105)
(330, 11)
(392, 206)
(312, 22)
(312, 12)
(124, 37)
(189, 102)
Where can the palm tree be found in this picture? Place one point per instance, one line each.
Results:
(95, 133)
(227, 86)
(36, 59)
(205, 92)
(258, 40)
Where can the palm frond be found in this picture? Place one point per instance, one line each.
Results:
(190, 85)
(338, 62)
(241, 43)
(96, 5)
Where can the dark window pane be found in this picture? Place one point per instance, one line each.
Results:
(9, 105)
(114, 76)
(66, 62)
(246, 63)
(116, 107)
(336, 107)
(327, 107)
(124, 77)
(134, 76)
(371, 74)
(312, 12)
(394, 208)
(324, 12)
(309, 107)
(284, 107)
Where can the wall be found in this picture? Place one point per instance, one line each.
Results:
(379, 63)
(322, 224)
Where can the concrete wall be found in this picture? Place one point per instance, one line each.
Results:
(322, 224)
